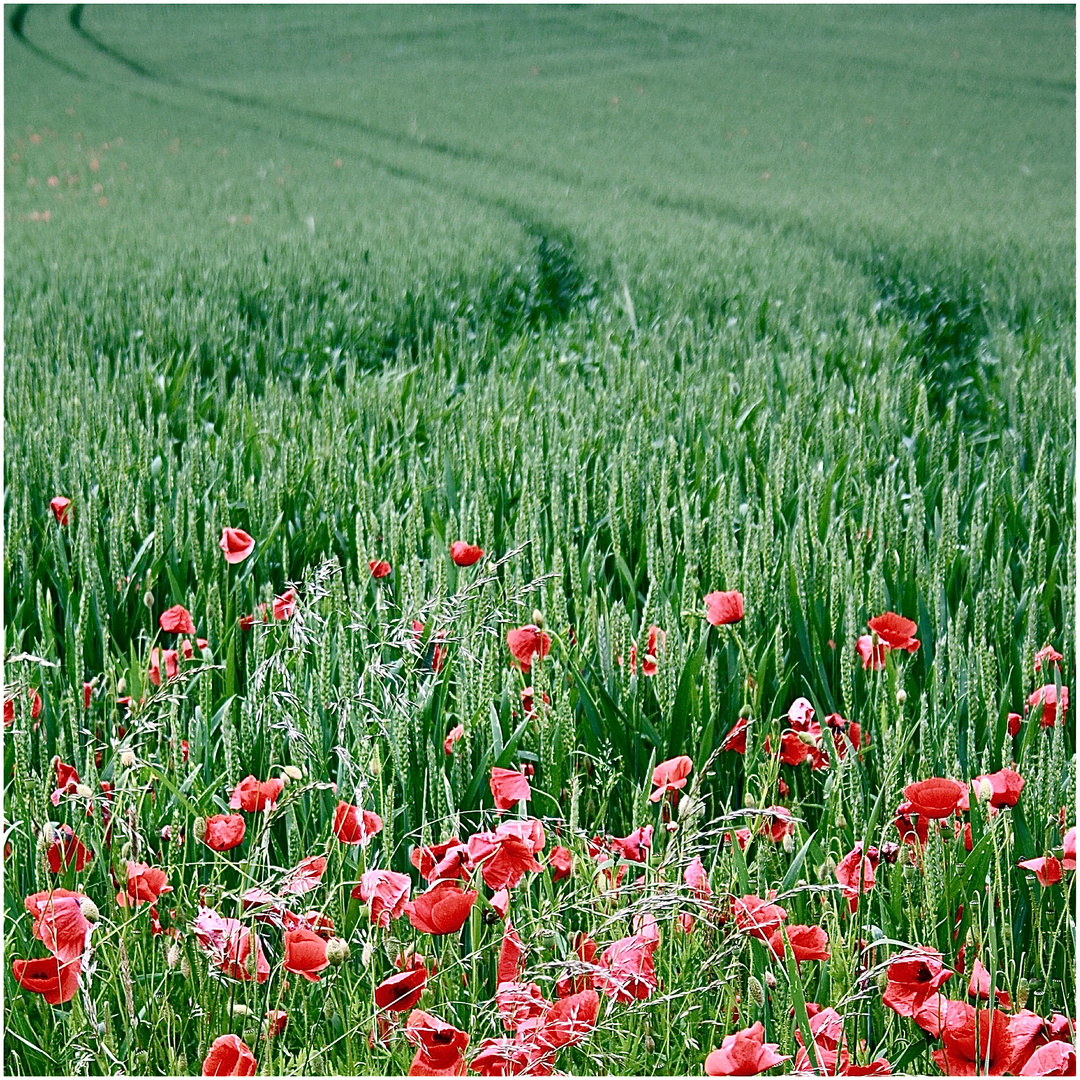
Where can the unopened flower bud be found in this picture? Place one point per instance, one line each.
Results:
(237, 1009)
(337, 951)
(368, 952)
(199, 829)
(750, 802)
(755, 990)
(807, 738)
(89, 909)
(901, 696)
(127, 759)
(984, 790)
(745, 712)
(185, 967)
(148, 598)
(788, 843)
(650, 1043)
(770, 980)
(83, 791)
(538, 618)
(121, 687)
(293, 772)
(49, 833)
(172, 956)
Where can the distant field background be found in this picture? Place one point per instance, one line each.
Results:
(672, 299)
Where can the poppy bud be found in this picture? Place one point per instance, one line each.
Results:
(770, 980)
(89, 909)
(127, 759)
(293, 772)
(756, 991)
(83, 791)
(841, 821)
(172, 957)
(750, 802)
(890, 852)
(650, 1043)
(788, 843)
(984, 790)
(367, 953)
(746, 712)
(199, 829)
(121, 687)
(337, 951)
(538, 618)
(239, 1010)
(901, 696)
(1022, 992)
(185, 967)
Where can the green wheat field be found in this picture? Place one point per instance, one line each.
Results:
(539, 540)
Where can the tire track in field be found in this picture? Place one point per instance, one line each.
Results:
(726, 214)
(17, 23)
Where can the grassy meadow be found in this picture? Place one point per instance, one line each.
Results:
(648, 303)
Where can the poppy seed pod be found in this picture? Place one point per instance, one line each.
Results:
(755, 990)
(89, 909)
(337, 951)
(199, 829)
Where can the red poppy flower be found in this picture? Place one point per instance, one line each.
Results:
(59, 923)
(778, 822)
(722, 608)
(144, 884)
(231, 946)
(251, 795)
(735, 739)
(913, 977)
(60, 508)
(508, 787)
(807, 942)
(177, 620)
(757, 917)
(830, 1043)
(1054, 1059)
(440, 1046)
(402, 991)
(228, 1056)
(979, 986)
(744, 1054)
(171, 660)
(569, 1020)
(560, 861)
(511, 950)
(849, 869)
(67, 781)
(934, 798)
(1006, 786)
(65, 848)
(636, 846)
(527, 642)
(224, 831)
(443, 909)
(284, 605)
(465, 554)
(895, 631)
(305, 876)
(872, 656)
(314, 921)
(379, 569)
(276, 1019)
(1047, 697)
(670, 776)
(386, 892)
(1015, 720)
(506, 1057)
(969, 1036)
(305, 953)
(503, 857)
(1046, 655)
(452, 736)
(236, 544)
(1047, 870)
(1068, 861)
(446, 860)
(57, 981)
(521, 1006)
(355, 826)
(627, 973)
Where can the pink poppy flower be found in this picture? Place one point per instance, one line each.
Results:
(355, 826)
(229, 1056)
(744, 1054)
(305, 876)
(1068, 861)
(236, 544)
(251, 795)
(284, 605)
(1047, 870)
(670, 776)
(723, 608)
(849, 869)
(386, 892)
(224, 831)
(872, 656)
(1006, 785)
